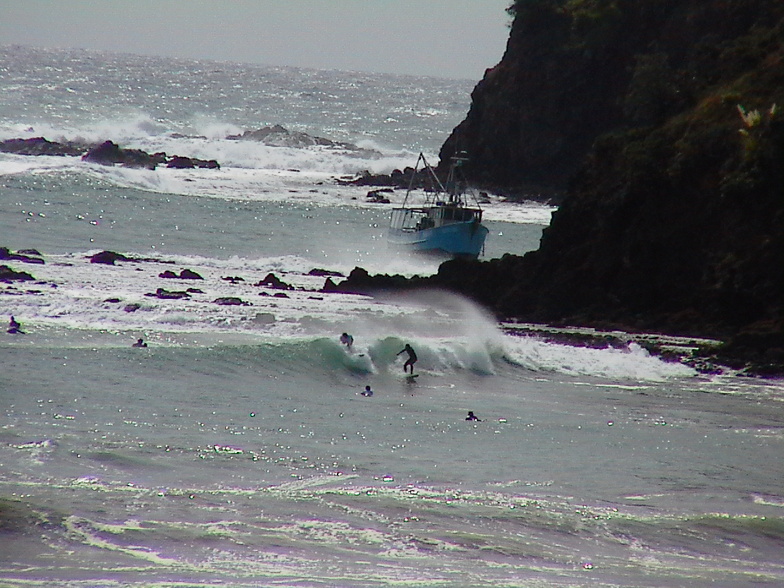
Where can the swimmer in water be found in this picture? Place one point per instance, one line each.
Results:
(472, 417)
(14, 326)
(139, 343)
(367, 391)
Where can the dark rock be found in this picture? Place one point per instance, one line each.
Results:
(109, 153)
(179, 162)
(278, 136)
(322, 272)
(185, 274)
(379, 195)
(359, 281)
(182, 162)
(23, 256)
(272, 281)
(109, 257)
(8, 274)
(233, 279)
(112, 300)
(408, 178)
(40, 146)
(106, 153)
(168, 295)
(133, 307)
(231, 301)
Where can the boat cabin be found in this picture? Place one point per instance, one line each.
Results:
(419, 219)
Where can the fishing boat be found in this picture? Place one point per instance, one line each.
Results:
(445, 223)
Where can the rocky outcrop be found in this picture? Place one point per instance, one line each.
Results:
(181, 162)
(164, 294)
(185, 274)
(231, 301)
(409, 177)
(25, 255)
(8, 274)
(106, 153)
(574, 70)
(109, 257)
(41, 146)
(274, 282)
(662, 123)
(109, 153)
(279, 136)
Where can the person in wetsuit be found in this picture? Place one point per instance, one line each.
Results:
(412, 358)
(347, 340)
(14, 326)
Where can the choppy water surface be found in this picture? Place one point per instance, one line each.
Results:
(236, 449)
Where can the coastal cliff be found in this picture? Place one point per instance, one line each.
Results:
(660, 122)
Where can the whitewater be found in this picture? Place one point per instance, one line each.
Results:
(236, 448)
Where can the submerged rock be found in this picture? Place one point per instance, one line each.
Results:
(8, 274)
(168, 295)
(231, 301)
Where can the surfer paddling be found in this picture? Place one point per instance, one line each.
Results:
(139, 343)
(412, 358)
(472, 417)
(14, 326)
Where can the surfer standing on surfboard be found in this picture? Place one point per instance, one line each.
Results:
(412, 358)
(347, 340)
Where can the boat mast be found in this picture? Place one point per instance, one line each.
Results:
(439, 187)
(455, 192)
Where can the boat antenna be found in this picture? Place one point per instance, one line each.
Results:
(456, 161)
(431, 174)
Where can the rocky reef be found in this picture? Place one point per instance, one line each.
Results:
(106, 153)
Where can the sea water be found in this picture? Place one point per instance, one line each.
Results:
(236, 449)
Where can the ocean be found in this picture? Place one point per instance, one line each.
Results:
(236, 448)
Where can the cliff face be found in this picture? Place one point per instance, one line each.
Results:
(576, 69)
(663, 121)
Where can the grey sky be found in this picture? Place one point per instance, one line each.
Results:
(447, 38)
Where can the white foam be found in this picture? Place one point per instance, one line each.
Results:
(634, 363)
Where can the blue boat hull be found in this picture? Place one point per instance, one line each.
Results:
(457, 239)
